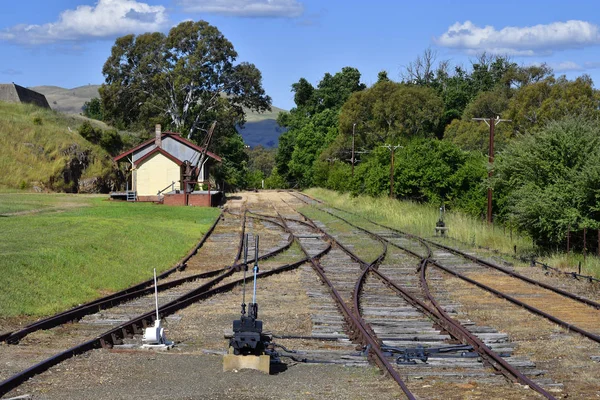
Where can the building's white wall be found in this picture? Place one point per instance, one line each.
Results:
(156, 173)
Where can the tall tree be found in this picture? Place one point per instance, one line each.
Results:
(550, 99)
(390, 111)
(186, 79)
(313, 123)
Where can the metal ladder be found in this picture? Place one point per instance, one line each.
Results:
(131, 195)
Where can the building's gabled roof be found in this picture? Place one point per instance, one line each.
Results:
(161, 151)
(172, 135)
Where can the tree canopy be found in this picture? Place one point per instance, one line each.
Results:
(547, 176)
(389, 111)
(550, 180)
(313, 123)
(185, 78)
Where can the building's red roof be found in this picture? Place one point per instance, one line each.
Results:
(161, 151)
(172, 135)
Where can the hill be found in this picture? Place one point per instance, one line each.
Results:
(68, 101)
(42, 149)
(260, 128)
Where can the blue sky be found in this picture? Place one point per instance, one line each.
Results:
(66, 42)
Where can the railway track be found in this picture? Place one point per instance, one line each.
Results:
(568, 310)
(571, 311)
(117, 317)
(360, 292)
(412, 306)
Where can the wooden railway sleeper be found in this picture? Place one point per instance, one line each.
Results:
(456, 330)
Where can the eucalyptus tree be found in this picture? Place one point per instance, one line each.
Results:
(185, 79)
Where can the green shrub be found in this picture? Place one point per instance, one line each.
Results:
(89, 133)
(93, 109)
(551, 180)
(111, 141)
(254, 179)
(425, 170)
(275, 181)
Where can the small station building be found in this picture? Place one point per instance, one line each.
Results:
(158, 171)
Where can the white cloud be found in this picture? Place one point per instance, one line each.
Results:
(245, 8)
(521, 41)
(566, 66)
(107, 19)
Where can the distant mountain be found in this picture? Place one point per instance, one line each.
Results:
(260, 129)
(265, 133)
(68, 101)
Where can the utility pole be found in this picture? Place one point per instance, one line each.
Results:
(392, 149)
(353, 126)
(491, 122)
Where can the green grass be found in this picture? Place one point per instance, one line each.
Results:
(36, 144)
(87, 247)
(19, 201)
(570, 263)
(420, 219)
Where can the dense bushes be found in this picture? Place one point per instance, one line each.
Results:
(109, 140)
(425, 170)
(551, 180)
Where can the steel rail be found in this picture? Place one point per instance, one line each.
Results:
(564, 293)
(360, 331)
(81, 312)
(47, 323)
(509, 298)
(486, 263)
(108, 338)
(112, 301)
(513, 300)
(443, 319)
(491, 357)
(113, 336)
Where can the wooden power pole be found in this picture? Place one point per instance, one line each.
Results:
(491, 122)
(353, 126)
(392, 149)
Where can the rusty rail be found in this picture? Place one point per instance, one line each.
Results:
(115, 298)
(107, 339)
(513, 300)
(127, 295)
(437, 313)
(483, 262)
(359, 330)
(114, 336)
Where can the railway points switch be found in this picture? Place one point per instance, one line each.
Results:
(154, 336)
(440, 225)
(248, 345)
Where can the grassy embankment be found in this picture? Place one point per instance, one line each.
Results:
(420, 219)
(37, 143)
(59, 250)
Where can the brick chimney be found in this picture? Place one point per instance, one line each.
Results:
(157, 139)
